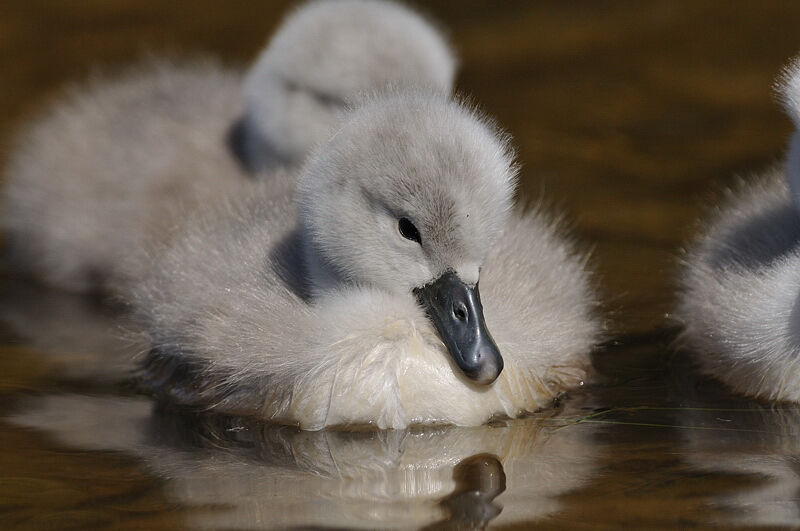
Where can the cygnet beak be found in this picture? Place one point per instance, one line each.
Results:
(456, 311)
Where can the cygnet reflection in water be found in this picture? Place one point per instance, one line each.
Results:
(479, 480)
(252, 475)
(752, 441)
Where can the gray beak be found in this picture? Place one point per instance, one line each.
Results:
(455, 310)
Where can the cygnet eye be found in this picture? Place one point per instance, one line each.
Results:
(408, 230)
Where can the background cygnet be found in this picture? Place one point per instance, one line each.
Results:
(114, 166)
(326, 54)
(740, 298)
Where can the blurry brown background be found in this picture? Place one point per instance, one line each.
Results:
(627, 115)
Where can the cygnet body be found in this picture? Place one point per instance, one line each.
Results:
(359, 303)
(117, 164)
(740, 284)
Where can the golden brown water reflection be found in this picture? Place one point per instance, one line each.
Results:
(627, 115)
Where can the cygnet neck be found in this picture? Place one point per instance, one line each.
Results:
(251, 147)
(321, 276)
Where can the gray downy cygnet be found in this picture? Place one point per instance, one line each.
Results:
(740, 285)
(118, 163)
(400, 288)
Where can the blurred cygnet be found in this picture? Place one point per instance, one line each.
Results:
(116, 163)
(326, 54)
(740, 299)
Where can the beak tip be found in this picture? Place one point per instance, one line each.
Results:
(490, 367)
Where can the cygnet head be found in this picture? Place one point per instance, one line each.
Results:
(408, 196)
(324, 56)
(789, 89)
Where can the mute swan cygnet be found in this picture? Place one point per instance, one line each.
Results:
(327, 54)
(740, 299)
(111, 166)
(359, 303)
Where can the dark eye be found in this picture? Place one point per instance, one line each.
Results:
(408, 230)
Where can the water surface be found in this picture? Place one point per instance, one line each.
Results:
(650, 445)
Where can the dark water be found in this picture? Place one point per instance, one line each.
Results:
(651, 445)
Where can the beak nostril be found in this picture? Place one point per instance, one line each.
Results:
(460, 311)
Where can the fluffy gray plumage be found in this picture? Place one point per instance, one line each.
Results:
(327, 53)
(116, 164)
(107, 171)
(740, 285)
(302, 312)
